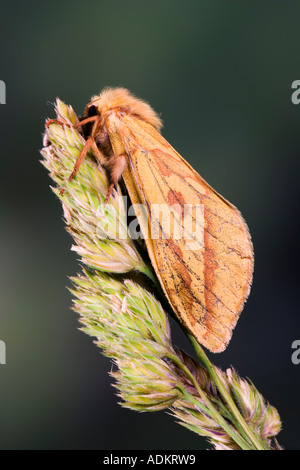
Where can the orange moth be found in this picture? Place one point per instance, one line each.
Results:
(204, 261)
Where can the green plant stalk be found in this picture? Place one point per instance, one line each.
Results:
(241, 423)
(145, 269)
(250, 441)
(210, 409)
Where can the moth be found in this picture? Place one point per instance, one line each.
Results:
(206, 275)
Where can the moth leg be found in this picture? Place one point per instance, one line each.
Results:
(79, 160)
(110, 190)
(63, 122)
(119, 165)
(57, 121)
(85, 121)
(100, 157)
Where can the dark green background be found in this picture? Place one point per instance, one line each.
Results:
(220, 74)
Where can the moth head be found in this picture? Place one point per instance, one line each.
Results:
(121, 99)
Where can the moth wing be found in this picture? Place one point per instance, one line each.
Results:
(203, 257)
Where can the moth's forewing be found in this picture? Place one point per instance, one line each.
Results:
(205, 266)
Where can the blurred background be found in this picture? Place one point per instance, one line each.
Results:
(220, 75)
